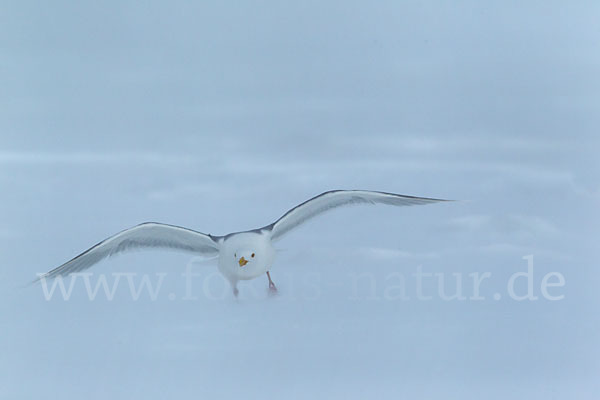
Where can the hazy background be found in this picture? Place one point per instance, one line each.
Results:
(221, 116)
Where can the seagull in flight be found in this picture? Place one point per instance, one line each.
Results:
(242, 255)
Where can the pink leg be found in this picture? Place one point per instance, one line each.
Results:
(272, 287)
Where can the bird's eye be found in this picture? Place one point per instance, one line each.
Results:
(235, 255)
(252, 255)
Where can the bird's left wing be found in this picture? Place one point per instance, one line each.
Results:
(146, 235)
(336, 198)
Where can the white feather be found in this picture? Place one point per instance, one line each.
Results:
(147, 235)
(336, 198)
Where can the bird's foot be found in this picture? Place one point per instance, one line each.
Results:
(272, 288)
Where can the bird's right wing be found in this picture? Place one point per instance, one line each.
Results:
(146, 235)
(336, 198)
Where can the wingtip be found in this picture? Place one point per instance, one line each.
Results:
(448, 200)
(460, 200)
(34, 282)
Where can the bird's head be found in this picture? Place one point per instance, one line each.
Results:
(244, 257)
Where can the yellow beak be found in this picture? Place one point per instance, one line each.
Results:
(242, 261)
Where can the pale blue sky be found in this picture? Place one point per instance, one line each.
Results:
(220, 117)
